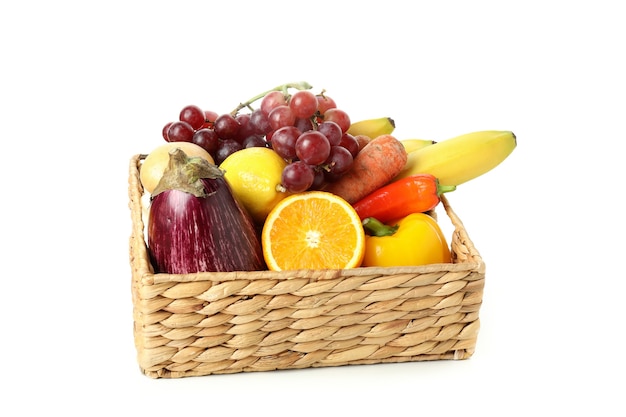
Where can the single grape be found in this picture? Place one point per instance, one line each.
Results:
(331, 130)
(304, 124)
(350, 143)
(283, 142)
(281, 116)
(254, 141)
(245, 127)
(180, 132)
(312, 147)
(272, 100)
(207, 139)
(209, 118)
(225, 148)
(226, 126)
(324, 103)
(193, 115)
(339, 161)
(338, 116)
(164, 131)
(303, 103)
(297, 177)
(261, 123)
(319, 179)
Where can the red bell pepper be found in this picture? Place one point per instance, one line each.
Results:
(417, 193)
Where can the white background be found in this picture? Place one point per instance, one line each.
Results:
(85, 85)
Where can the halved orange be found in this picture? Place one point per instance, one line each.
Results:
(313, 230)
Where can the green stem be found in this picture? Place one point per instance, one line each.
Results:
(444, 188)
(302, 85)
(374, 227)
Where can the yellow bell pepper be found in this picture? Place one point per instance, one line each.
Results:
(415, 239)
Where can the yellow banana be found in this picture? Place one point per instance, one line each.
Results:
(372, 128)
(411, 145)
(462, 158)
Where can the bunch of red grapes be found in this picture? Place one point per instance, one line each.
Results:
(309, 131)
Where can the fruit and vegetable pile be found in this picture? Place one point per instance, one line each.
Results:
(287, 181)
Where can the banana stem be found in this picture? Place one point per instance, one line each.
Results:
(302, 85)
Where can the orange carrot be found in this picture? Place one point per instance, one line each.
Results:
(374, 166)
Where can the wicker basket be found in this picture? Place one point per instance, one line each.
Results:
(218, 323)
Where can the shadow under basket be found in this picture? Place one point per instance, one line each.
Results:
(228, 322)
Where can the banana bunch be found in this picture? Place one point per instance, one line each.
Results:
(453, 161)
(462, 158)
(372, 128)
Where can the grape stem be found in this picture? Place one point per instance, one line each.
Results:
(302, 85)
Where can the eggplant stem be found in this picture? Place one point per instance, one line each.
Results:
(184, 173)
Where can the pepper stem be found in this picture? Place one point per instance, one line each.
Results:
(444, 188)
(374, 227)
(302, 85)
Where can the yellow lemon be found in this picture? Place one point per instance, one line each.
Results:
(254, 174)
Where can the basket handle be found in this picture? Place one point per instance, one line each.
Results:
(464, 245)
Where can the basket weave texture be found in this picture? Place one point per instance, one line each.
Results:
(218, 323)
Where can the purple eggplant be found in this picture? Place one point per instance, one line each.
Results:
(197, 225)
